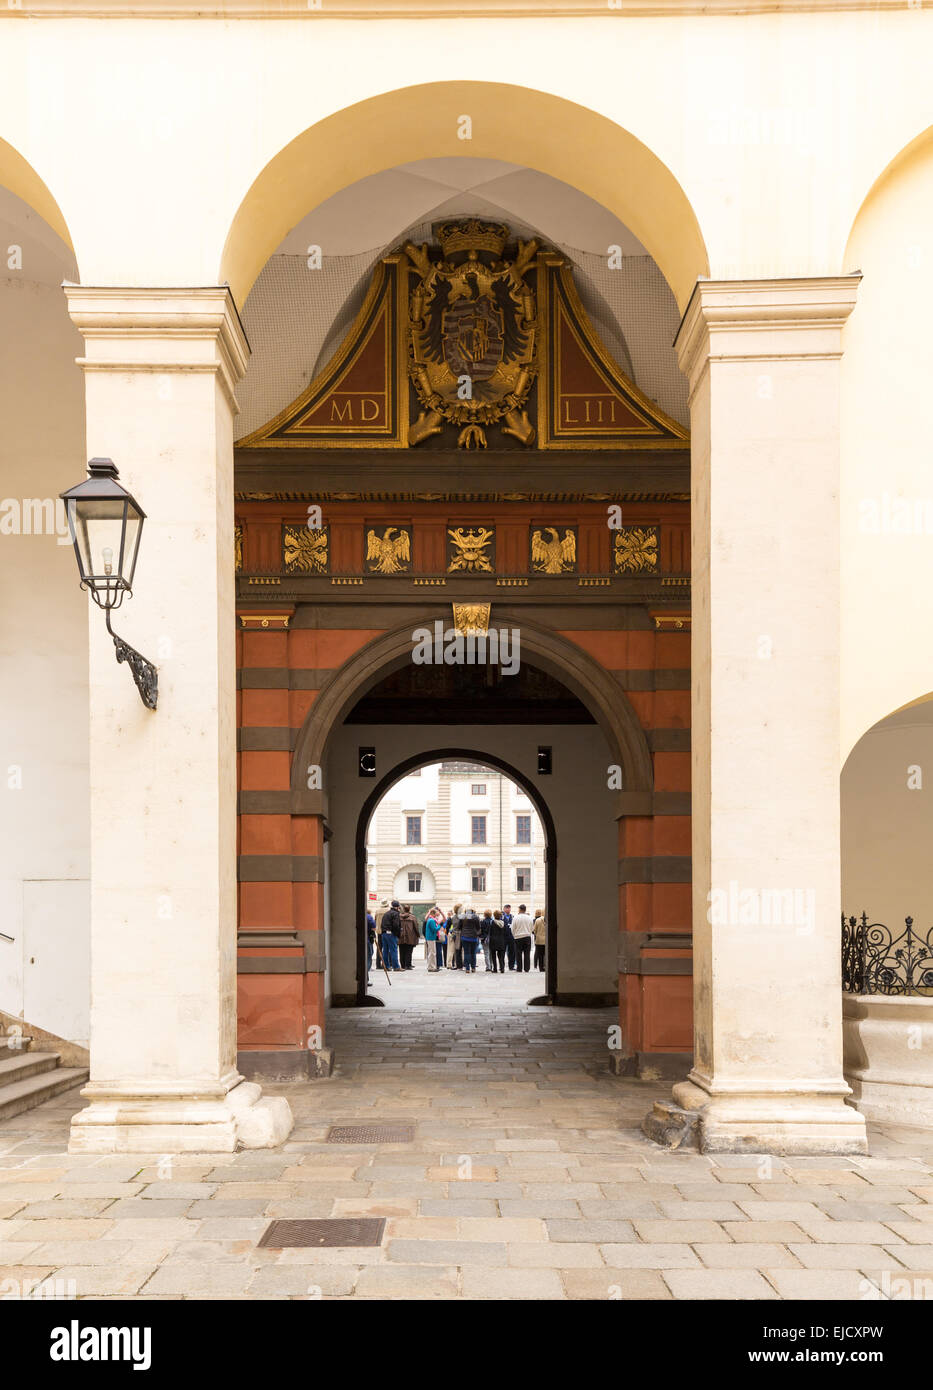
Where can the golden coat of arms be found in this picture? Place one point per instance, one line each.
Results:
(473, 328)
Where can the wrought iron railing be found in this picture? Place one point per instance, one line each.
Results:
(875, 961)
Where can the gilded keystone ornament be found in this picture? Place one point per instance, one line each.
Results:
(473, 327)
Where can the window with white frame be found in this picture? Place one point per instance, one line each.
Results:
(523, 830)
(413, 830)
(523, 879)
(478, 830)
(414, 882)
(478, 880)
(478, 789)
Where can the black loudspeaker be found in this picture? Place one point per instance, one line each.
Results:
(544, 762)
(367, 762)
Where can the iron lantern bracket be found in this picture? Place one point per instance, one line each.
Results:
(144, 673)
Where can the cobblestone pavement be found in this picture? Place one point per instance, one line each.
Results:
(528, 1177)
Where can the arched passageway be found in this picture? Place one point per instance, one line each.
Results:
(480, 759)
(887, 928)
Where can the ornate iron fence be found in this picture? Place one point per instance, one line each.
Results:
(875, 961)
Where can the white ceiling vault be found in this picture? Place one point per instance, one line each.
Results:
(296, 317)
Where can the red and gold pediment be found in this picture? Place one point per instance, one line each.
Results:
(360, 399)
(471, 342)
(587, 400)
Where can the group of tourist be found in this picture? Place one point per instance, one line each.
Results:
(454, 940)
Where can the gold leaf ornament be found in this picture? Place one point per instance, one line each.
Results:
(471, 549)
(551, 553)
(636, 550)
(306, 549)
(389, 553)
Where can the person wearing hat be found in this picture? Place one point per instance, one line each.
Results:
(391, 929)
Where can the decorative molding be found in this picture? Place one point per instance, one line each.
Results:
(550, 552)
(402, 477)
(330, 10)
(265, 620)
(471, 549)
(472, 321)
(305, 549)
(471, 617)
(160, 330)
(635, 550)
(389, 553)
(728, 320)
(671, 622)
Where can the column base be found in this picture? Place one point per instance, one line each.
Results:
(783, 1123)
(193, 1122)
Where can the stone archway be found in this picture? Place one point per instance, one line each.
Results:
(575, 668)
(524, 126)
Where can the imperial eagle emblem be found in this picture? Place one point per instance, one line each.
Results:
(390, 552)
(552, 555)
(473, 330)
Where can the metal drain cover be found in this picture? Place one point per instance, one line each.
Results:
(363, 1230)
(370, 1134)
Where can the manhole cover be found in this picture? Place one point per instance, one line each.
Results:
(371, 1134)
(364, 1230)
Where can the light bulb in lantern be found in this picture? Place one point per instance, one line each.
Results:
(108, 559)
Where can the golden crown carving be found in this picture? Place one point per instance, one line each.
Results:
(471, 235)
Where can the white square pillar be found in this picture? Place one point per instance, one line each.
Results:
(762, 359)
(160, 369)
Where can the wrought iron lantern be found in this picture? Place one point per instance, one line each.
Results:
(106, 523)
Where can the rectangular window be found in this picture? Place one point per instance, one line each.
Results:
(478, 880)
(479, 830)
(414, 883)
(523, 830)
(523, 879)
(478, 789)
(413, 830)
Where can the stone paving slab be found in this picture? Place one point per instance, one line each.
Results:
(718, 1284)
(563, 1199)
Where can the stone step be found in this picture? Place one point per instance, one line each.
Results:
(673, 1127)
(18, 1096)
(18, 1066)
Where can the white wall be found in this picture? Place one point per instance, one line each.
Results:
(774, 124)
(887, 471)
(44, 839)
(887, 821)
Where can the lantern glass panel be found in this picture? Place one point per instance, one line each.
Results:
(134, 521)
